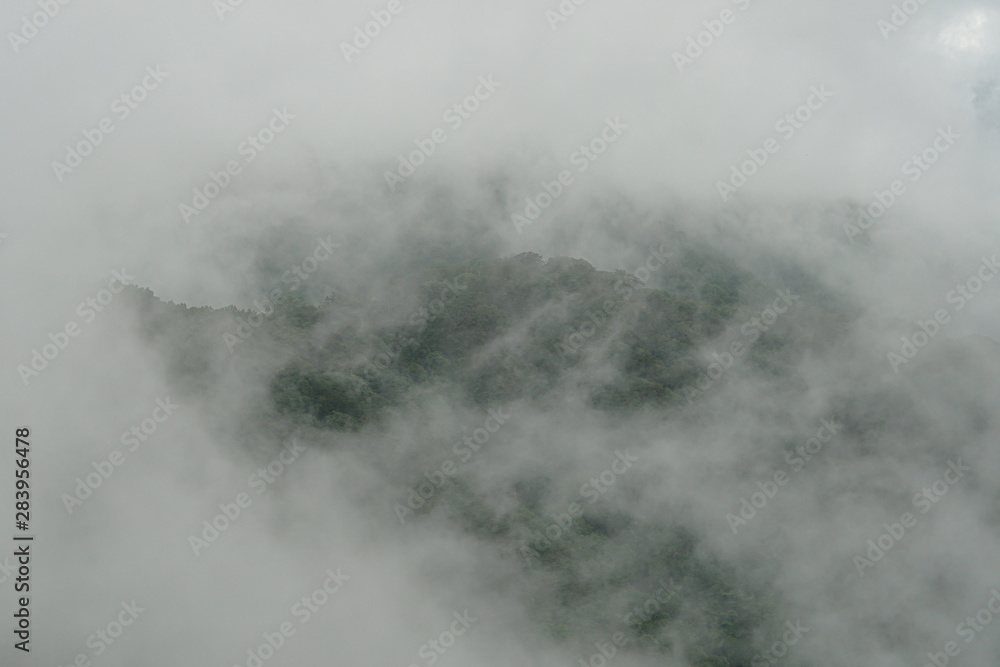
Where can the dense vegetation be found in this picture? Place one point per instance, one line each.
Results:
(521, 329)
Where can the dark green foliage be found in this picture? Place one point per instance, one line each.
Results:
(524, 329)
(342, 401)
(511, 330)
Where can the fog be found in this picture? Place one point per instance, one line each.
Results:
(629, 130)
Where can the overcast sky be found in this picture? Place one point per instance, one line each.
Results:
(891, 93)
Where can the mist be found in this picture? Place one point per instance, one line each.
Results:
(176, 173)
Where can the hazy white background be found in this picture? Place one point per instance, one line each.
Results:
(685, 130)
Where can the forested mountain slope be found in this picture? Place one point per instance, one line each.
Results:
(557, 336)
